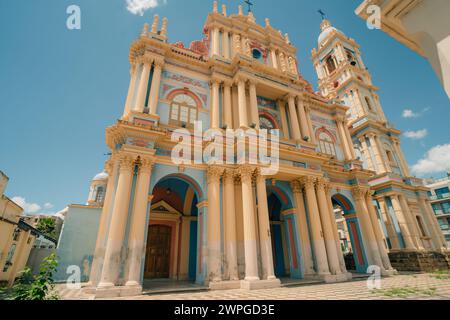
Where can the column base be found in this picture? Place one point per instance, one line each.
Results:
(114, 292)
(389, 272)
(333, 278)
(260, 284)
(225, 285)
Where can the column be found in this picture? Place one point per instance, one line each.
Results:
(250, 245)
(156, 83)
(303, 121)
(242, 103)
(377, 153)
(284, 123)
(265, 238)
(226, 44)
(342, 135)
(215, 41)
(398, 151)
(302, 228)
(294, 119)
(377, 231)
(282, 62)
(136, 240)
(143, 87)
(230, 225)
(237, 48)
(383, 154)
(112, 167)
(316, 227)
(215, 104)
(437, 235)
(228, 115)
(366, 153)
(390, 226)
(111, 265)
(131, 89)
(254, 104)
(310, 127)
(412, 222)
(213, 224)
(273, 56)
(330, 243)
(349, 141)
(371, 246)
(402, 222)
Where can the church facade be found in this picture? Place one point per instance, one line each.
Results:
(341, 200)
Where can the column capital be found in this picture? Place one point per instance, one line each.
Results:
(246, 173)
(308, 182)
(127, 163)
(340, 119)
(296, 186)
(146, 164)
(290, 97)
(240, 79)
(228, 175)
(252, 82)
(213, 174)
(321, 183)
(228, 83)
(146, 59)
(359, 192)
(159, 63)
(215, 82)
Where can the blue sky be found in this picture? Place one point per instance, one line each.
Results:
(61, 88)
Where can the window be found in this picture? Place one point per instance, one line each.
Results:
(422, 230)
(326, 144)
(331, 65)
(442, 191)
(266, 123)
(256, 54)
(100, 196)
(183, 111)
(9, 258)
(369, 105)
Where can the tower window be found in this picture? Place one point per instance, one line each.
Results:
(369, 105)
(183, 111)
(256, 54)
(331, 65)
(326, 144)
(422, 230)
(100, 196)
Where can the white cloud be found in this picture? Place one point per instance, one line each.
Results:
(416, 135)
(27, 207)
(408, 113)
(48, 205)
(437, 159)
(140, 6)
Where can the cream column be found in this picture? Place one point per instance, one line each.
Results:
(383, 154)
(304, 127)
(294, 119)
(398, 151)
(265, 238)
(213, 224)
(111, 264)
(227, 106)
(349, 140)
(136, 239)
(377, 231)
(308, 120)
(282, 62)
(230, 225)
(302, 228)
(359, 194)
(143, 87)
(156, 83)
(284, 123)
(402, 222)
(226, 44)
(342, 135)
(390, 226)
(254, 103)
(366, 153)
(215, 41)
(112, 167)
(242, 103)
(437, 232)
(273, 56)
(377, 153)
(250, 241)
(330, 243)
(215, 104)
(412, 222)
(131, 89)
(316, 227)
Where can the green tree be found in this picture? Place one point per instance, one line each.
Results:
(47, 226)
(39, 287)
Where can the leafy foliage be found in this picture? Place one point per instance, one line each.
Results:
(38, 287)
(47, 226)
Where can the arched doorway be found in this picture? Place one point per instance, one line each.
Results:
(349, 234)
(172, 239)
(285, 250)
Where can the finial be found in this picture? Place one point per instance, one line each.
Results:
(267, 22)
(215, 7)
(240, 10)
(164, 27)
(145, 29)
(155, 23)
(224, 10)
(286, 37)
(325, 24)
(251, 17)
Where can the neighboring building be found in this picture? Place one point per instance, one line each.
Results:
(440, 202)
(35, 220)
(16, 237)
(232, 226)
(421, 25)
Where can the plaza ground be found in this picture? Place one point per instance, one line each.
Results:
(400, 287)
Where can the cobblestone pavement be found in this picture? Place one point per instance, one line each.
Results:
(417, 286)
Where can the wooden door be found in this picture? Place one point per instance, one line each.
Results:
(157, 258)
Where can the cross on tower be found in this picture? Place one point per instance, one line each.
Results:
(322, 13)
(250, 5)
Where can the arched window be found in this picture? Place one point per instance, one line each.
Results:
(257, 54)
(331, 65)
(183, 111)
(369, 105)
(100, 196)
(326, 144)
(266, 123)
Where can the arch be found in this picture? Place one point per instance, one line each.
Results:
(344, 203)
(190, 181)
(172, 94)
(269, 117)
(282, 196)
(326, 131)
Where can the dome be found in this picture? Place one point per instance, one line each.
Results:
(327, 30)
(101, 176)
